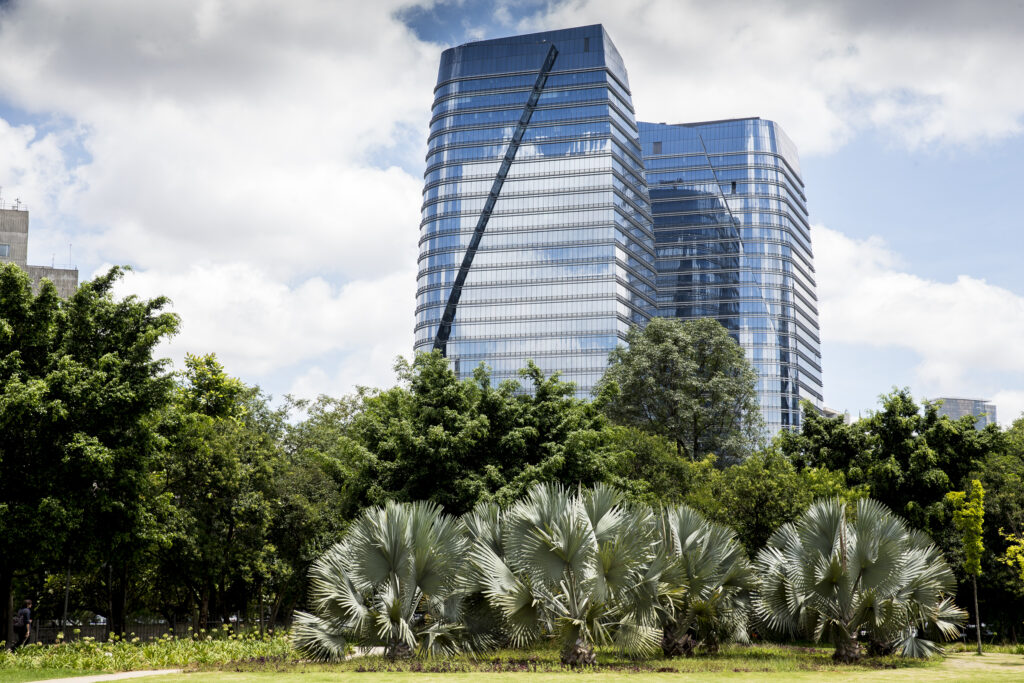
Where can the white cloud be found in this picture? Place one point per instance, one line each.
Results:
(925, 71)
(963, 332)
(33, 170)
(257, 325)
(231, 130)
(245, 156)
(1009, 406)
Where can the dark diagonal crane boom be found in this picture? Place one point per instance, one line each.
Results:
(444, 330)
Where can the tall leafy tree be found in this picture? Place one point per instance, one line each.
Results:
(908, 454)
(216, 475)
(1014, 555)
(459, 442)
(687, 381)
(1001, 474)
(313, 498)
(764, 492)
(79, 392)
(969, 518)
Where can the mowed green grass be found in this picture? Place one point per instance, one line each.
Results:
(759, 662)
(22, 675)
(733, 663)
(958, 667)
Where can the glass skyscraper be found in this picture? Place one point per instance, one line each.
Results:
(733, 243)
(551, 223)
(534, 191)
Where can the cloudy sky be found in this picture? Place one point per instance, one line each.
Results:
(261, 163)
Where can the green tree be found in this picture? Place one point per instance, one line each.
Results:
(827, 576)
(908, 455)
(1014, 555)
(1001, 475)
(647, 468)
(969, 518)
(313, 495)
(687, 381)
(216, 478)
(79, 394)
(765, 491)
(459, 442)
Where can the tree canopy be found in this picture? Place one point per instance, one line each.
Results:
(79, 394)
(141, 492)
(689, 382)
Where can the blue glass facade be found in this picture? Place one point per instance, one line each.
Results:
(566, 263)
(733, 243)
(599, 225)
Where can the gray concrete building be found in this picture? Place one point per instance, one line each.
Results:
(955, 408)
(14, 249)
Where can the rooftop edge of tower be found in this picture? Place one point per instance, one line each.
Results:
(572, 43)
(785, 144)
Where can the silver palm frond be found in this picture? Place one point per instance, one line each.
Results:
(827, 576)
(393, 581)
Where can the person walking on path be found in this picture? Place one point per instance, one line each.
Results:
(23, 625)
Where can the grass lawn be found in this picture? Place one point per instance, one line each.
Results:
(733, 663)
(957, 667)
(271, 661)
(22, 675)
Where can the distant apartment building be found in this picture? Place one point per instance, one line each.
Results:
(832, 413)
(955, 408)
(14, 249)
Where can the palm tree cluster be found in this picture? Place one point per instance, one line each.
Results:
(872, 577)
(587, 569)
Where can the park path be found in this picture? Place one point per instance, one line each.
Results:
(99, 678)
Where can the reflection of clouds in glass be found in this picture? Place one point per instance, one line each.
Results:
(747, 225)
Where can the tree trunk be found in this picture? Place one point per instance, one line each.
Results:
(289, 613)
(7, 606)
(398, 649)
(119, 601)
(67, 596)
(696, 443)
(260, 606)
(710, 644)
(977, 615)
(222, 599)
(110, 600)
(847, 650)
(675, 644)
(580, 654)
(204, 608)
(272, 622)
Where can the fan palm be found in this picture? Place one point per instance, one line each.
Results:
(823, 576)
(569, 565)
(392, 581)
(703, 581)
